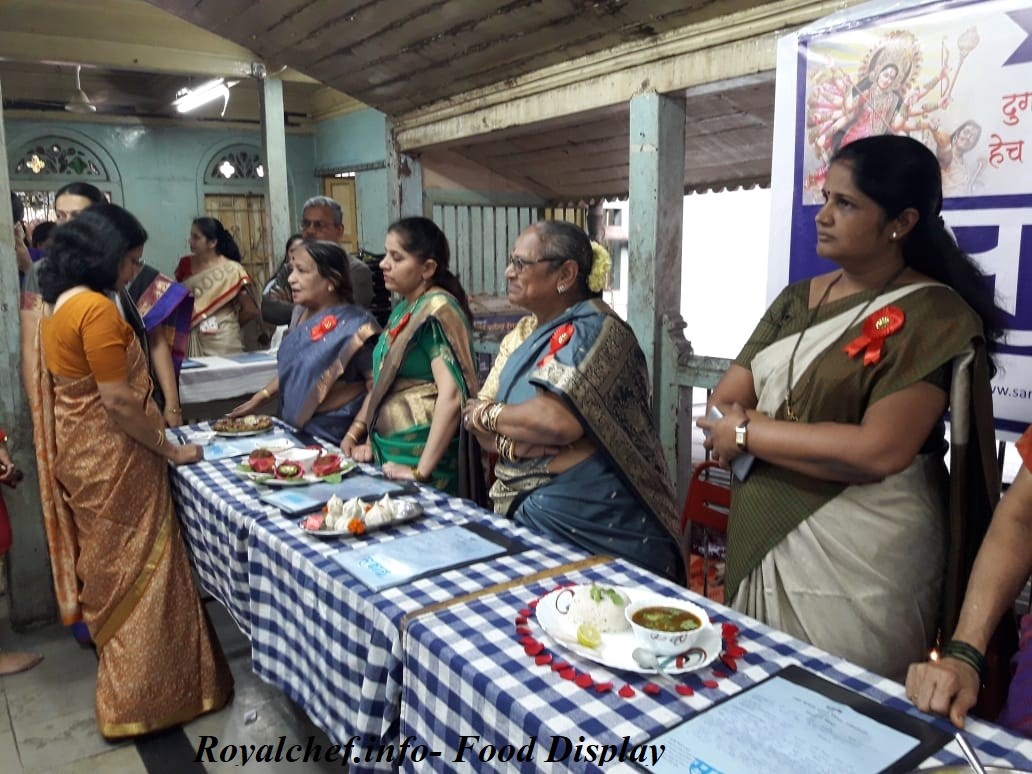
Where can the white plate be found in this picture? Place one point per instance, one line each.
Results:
(616, 648)
(412, 510)
(243, 433)
(268, 479)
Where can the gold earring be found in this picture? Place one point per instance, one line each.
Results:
(330, 288)
(561, 289)
(893, 234)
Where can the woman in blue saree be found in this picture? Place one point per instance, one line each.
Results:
(324, 362)
(579, 456)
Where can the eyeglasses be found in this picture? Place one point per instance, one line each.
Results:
(520, 264)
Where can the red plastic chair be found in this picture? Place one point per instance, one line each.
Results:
(707, 504)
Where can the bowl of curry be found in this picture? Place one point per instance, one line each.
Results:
(667, 626)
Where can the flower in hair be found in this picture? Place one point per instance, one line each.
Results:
(600, 265)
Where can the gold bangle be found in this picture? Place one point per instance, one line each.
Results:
(506, 448)
(420, 477)
(174, 410)
(265, 391)
(358, 422)
(351, 435)
(162, 440)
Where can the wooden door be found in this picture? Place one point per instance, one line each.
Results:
(244, 217)
(342, 191)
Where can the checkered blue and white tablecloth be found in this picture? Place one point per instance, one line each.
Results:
(217, 508)
(332, 645)
(466, 673)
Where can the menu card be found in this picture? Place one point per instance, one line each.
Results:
(393, 562)
(796, 721)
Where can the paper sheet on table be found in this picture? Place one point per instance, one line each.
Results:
(223, 447)
(394, 562)
(781, 726)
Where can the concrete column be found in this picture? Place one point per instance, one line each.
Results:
(274, 149)
(655, 214)
(30, 584)
(404, 181)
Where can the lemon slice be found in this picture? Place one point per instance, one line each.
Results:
(589, 636)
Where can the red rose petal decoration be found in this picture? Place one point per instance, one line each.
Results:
(734, 651)
(525, 612)
(584, 680)
(718, 674)
(627, 692)
(520, 620)
(526, 641)
(534, 604)
(729, 662)
(709, 683)
(543, 658)
(533, 648)
(684, 690)
(603, 687)
(523, 630)
(559, 666)
(569, 673)
(729, 630)
(651, 688)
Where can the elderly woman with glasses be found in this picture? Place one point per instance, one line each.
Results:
(579, 456)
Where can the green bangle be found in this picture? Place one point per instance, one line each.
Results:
(967, 653)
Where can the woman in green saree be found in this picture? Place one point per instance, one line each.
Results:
(423, 368)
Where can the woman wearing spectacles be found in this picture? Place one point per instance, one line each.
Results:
(423, 368)
(568, 411)
(118, 558)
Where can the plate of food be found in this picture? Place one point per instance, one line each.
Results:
(591, 620)
(251, 424)
(340, 518)
(280, 468)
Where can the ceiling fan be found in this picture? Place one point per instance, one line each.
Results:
(79, 102)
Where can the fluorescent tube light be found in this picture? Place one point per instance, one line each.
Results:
(191, 99)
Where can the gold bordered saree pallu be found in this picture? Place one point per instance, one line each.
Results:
(404, 393)
(119, 560)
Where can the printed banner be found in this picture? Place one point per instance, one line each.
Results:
(958, 77)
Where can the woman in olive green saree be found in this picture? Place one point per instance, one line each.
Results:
(423, 368)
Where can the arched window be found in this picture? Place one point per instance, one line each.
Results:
(43, 164)
(236, 164)
(58, 157)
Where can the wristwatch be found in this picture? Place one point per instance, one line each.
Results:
(742, 435)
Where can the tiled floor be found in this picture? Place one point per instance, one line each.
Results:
(47, 721)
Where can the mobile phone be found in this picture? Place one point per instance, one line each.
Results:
(742, 464)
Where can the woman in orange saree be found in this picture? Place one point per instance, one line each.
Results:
(118, 558)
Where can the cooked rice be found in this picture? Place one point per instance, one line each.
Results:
(605, 613)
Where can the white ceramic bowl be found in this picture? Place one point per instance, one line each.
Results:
(303, 457)
(202, 437)
(666, 643)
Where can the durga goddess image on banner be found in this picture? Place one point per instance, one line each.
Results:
(883, 93)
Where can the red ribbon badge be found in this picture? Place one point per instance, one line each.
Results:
(393, 332)
(324, 326)
(560, 338)
(877, 327)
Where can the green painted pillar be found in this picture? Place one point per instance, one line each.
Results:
(655, 215)
(274, 148)
(404, 181)
(30, 584)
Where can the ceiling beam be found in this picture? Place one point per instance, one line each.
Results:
(732, 46)
(121, 35)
